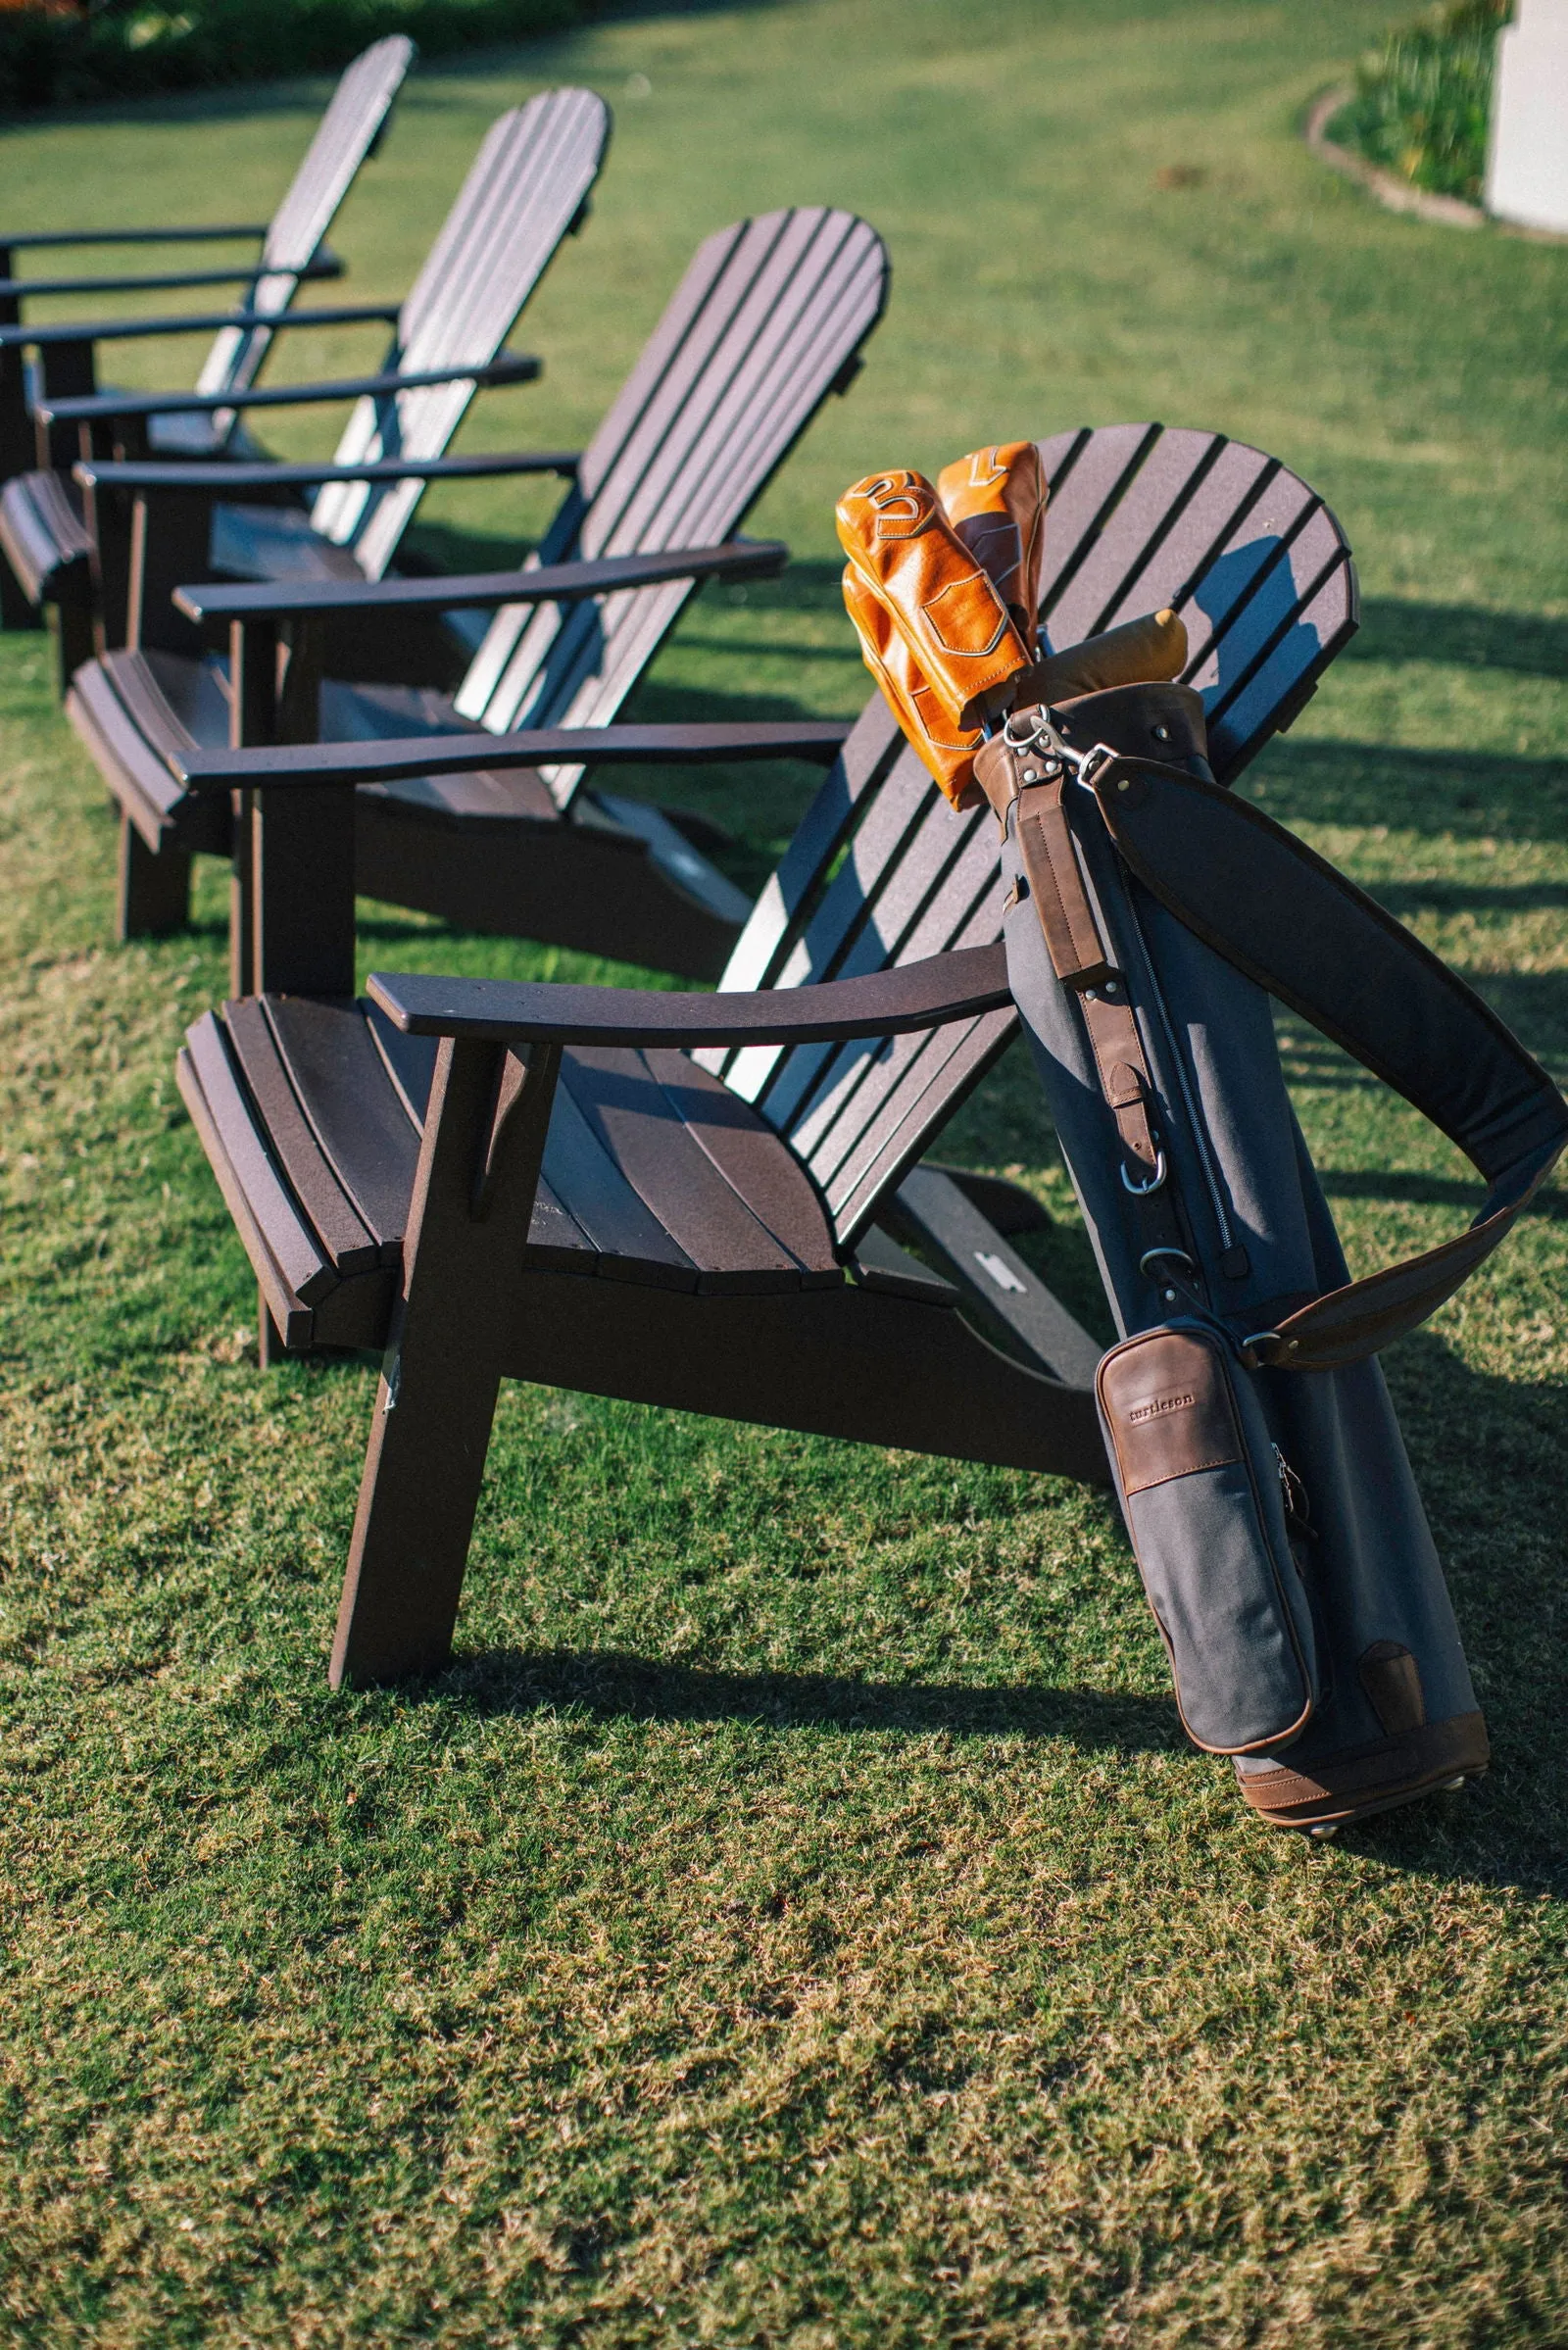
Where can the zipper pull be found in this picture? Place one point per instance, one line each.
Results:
(1293, 1494)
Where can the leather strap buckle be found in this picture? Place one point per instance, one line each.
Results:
(1141, 1191)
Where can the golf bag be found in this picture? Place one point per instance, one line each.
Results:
(1281, 1543)
(1149, 915)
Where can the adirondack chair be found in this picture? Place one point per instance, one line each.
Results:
(686, 1199)
(769, 318)
(527, 187)
(41, 530)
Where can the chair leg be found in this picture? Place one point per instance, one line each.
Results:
(154, 887)
(17, 608)
(74, 637)
(467, 1227)
(270, 1348)
(434, 1404)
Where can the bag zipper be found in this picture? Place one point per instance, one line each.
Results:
(1211, 1181)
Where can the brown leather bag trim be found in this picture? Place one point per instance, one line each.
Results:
(1079, 955)
(1369, 1778)
(1168, 1406)
(1139, 722)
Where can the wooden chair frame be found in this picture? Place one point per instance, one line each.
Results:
(291, 249)
(527, 187)
(698, 1200)
(770, 319)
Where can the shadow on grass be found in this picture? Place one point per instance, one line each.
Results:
(612, 1685)
(537, 55)
(1429, 1191)
(1486, 1453)
(1462, 633)
(1468, 794)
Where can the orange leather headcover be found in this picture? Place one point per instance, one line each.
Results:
(996, 501)
(947, 751)
(908, 557)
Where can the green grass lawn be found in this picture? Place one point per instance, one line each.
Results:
(797, 1919)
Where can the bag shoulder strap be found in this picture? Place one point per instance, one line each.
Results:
(1287, 920)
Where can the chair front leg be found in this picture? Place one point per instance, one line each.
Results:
(462, 1287)
(154, 887)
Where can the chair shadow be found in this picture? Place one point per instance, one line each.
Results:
(1487, 1453)
(613, 1685)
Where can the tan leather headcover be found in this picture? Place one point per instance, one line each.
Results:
(909, 556)
(996, 501)
(1144, 652)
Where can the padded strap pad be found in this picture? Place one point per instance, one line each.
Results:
(1280, 914)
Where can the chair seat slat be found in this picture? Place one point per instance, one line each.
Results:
(358, 1123)
(748, 1154)
(635, 1119)
(342, 1234)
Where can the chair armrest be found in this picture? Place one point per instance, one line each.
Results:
(229, 482)
(220, 233)
(124, 330)
(104, 407)
(302, 765)
(18, 289)
(508, 1011)
(550, 583)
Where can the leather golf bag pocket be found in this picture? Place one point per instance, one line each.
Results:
(1199, 1480)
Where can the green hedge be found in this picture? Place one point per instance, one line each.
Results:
(1421, 103)
(53, 56)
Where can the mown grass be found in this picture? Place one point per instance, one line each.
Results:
(796, 1917)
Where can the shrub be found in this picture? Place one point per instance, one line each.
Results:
(1421, 103)
(59, 55)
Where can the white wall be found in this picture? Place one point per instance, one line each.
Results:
(1527, 157)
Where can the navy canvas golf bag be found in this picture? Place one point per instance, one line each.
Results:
(1151, 915)
(1283, 1547)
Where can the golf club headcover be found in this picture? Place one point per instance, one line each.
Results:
(947, 751)
(943, 604)
(996, 501)
(1145, 652)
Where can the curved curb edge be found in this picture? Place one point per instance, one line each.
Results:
(1449, 212)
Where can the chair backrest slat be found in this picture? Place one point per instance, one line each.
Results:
(884, 872)
(1092, 473)
(875, 747)
(349, 131)
(873, 905)
(841, 1096)
(1206, 525)
(765, 322)
(1145, 515)
(527, 187)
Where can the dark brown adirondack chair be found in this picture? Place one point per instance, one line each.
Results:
(769, 318)
(684, 1198)
(42, 535)
(527, 188)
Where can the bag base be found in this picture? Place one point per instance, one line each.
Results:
(1365, 1780)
